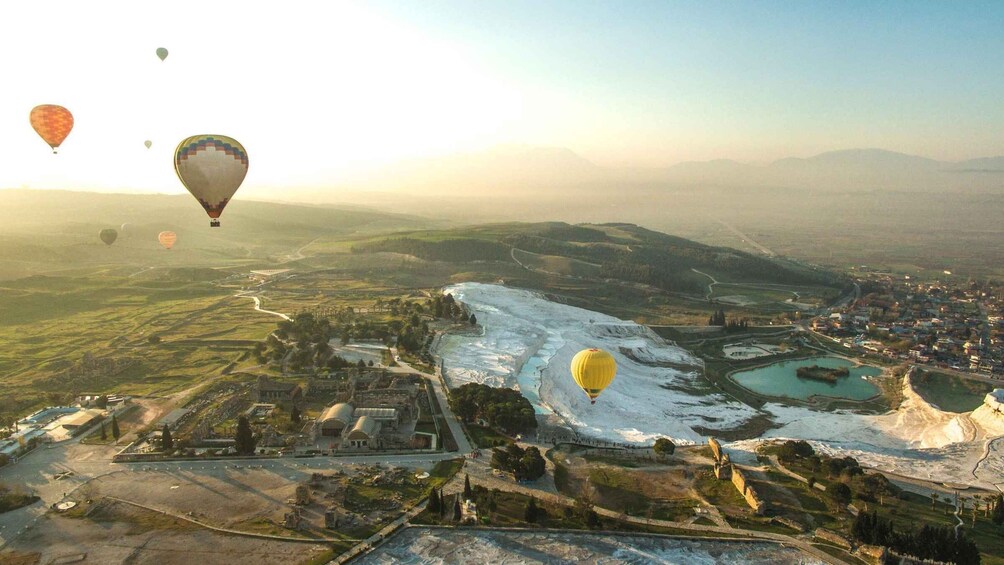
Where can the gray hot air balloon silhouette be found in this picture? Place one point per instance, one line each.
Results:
(108, 236)
(162, 53)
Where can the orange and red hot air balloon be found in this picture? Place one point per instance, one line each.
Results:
(52, 123)
(167, 239)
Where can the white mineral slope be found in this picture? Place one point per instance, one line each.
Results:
(916, 440)
(521, 326)
(529, 341)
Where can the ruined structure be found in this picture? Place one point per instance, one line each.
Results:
(378, 413)
(267, 390)
(724, 470)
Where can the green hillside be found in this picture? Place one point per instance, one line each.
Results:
(623, 252)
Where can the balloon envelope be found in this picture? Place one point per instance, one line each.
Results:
(52, 123)
(148, 143)
(162, 53)
(593, 370)
(212, 168)
(167, 239)
(108, 236)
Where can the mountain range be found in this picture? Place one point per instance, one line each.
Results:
(531, 168)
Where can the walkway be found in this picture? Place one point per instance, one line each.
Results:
(563, 500)
(439, 387)
(223, 530)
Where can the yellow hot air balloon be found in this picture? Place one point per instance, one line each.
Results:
(212, 168)
(148, 143)
(593, 370)
(167, 239)
(52, 123)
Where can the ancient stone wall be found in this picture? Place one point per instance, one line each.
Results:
(716, 448)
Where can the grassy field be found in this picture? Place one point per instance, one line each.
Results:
(948, 392)
(486, 437)
(556, 264)
(101, 344)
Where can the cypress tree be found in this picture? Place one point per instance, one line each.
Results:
(244, 439)
(115, 427)
(530, 515)
(468, 493)
(998, 514)
(104, 436)
(166, 442)
(456, 510)
(434, 503)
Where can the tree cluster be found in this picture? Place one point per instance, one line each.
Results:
(938, 543)
(997, 516)
(303, 342)
(503, 408)
(794, 449)
(717, 318)
(449, 308)
(524, 464)
(871, 487)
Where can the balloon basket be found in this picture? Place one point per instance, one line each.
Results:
(214, 223)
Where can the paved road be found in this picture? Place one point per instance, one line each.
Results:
(440, 389)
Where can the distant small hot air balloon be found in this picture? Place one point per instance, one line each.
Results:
(52, 123)
(167, 239)
(123, 227)
(162, 53)
(108, 235)
(212, 168)
(148, 143)
(593, 370)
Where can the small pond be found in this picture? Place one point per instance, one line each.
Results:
(779, 379)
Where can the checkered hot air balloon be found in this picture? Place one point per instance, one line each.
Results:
(52, 123)
(212, 168)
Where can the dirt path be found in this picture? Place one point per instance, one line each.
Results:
(711, 285)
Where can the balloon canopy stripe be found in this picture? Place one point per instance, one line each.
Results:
(206, 142)
(214, 210)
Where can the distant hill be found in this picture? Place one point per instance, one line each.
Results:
(521, 171)
(624, 252)
(47, 231)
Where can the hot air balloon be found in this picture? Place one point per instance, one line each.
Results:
(593, 370)
(108, 236)
(162, 53)
(124, 227)
(212, 168)
(52, 123)
(148, 143)
(167, 239)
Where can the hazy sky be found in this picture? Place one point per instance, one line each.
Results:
(317, 90)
